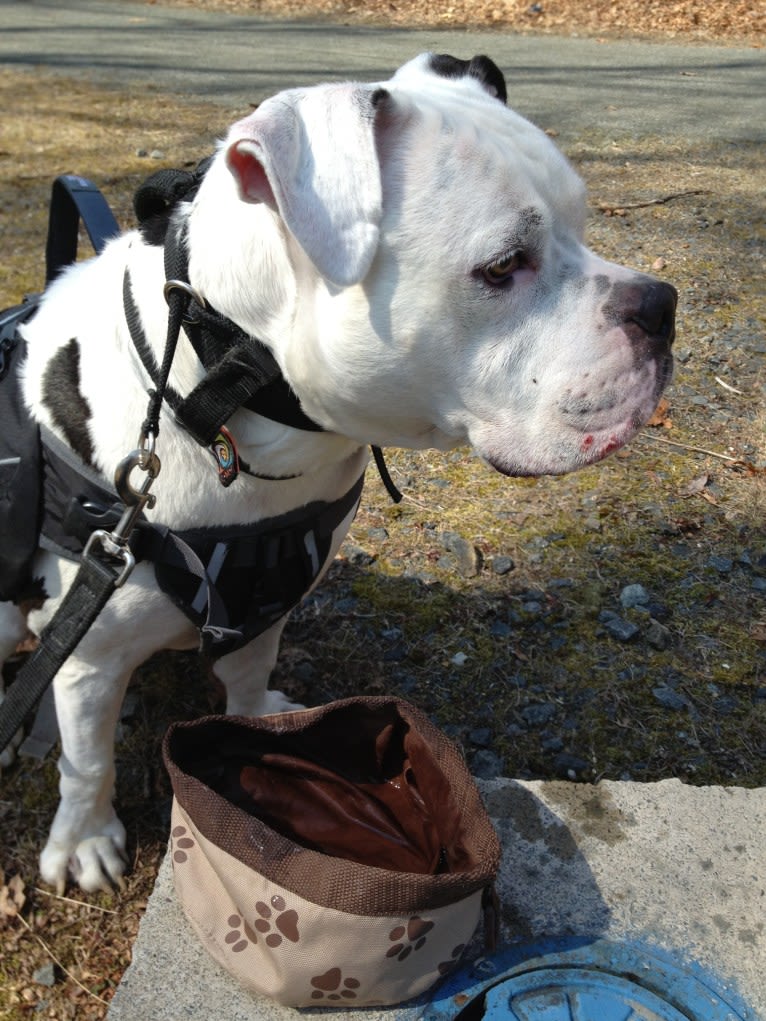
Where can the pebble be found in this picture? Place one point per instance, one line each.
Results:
(499, 629)
(552, 744)
(657, 635)
(570, 767)
(537, 715)
(377, 534)
(669, 698)
(467, 557)
(633, 596)
(532, 607)
(480, 736)
(45, 975)
(487, 765)
(502, 565)
(619, 628)
(721, 564)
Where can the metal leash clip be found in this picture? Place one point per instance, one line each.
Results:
(115, 543)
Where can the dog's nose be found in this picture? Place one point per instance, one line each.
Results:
(656, 313)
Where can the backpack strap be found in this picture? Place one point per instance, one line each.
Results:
(73, 199)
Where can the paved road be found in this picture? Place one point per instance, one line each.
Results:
(572, 85)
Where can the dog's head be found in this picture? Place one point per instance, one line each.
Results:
(432, 286)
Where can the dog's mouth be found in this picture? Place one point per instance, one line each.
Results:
(572, 449)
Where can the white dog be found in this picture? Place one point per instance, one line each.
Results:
(411, 253)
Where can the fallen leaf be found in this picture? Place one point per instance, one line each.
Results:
(12, 897)
(696, 487)
(660, 416)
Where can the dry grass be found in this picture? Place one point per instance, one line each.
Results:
(623, 521)
(739, 21)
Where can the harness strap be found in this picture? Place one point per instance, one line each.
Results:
(233, 583)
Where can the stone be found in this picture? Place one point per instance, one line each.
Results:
(468, 559)
(570, 767)
(634, 596)
(45, 975)
(480, 736)
(538, 715)
(657, 635)
(500, 629)
(669, 698)
(487, 765)
(619, 628)
(502, 565)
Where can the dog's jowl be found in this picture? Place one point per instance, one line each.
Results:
(392, 264)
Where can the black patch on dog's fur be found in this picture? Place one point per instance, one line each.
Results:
(69, 410)
(481, 68)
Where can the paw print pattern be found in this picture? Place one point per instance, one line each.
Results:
(181, 844)
(332, 986)
(286, 922)
(241, 935)
(408, 938)
(446, 966)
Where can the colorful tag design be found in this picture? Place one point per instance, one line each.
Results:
(224, 450)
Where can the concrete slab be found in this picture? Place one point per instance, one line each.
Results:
(675, 867)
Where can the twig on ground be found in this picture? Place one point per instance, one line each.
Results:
(57, 962)
(614, 207)
(70, 900)
(728, 386)
(688, 446)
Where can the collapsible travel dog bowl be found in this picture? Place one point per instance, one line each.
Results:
(330, 856)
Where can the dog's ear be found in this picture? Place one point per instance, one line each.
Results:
(311, 155)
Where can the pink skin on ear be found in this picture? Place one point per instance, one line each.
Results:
(242, 161)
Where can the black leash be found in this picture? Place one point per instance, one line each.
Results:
(83, 602)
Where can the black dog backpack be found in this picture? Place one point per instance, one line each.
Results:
(72, 198)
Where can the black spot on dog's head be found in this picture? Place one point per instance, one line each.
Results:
(62, 396)
(481, 68)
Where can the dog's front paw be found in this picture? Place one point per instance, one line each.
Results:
(97, 862)
(8, 755)
(275, 702)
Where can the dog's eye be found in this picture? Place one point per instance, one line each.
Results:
(500, 272)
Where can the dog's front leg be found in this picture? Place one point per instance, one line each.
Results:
(245, 675)
(86, 838)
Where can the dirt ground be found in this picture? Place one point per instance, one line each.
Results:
(740, 21)
(499, 607)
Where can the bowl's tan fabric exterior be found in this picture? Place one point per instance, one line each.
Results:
(303, 954)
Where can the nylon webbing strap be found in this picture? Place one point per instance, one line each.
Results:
(73, 198)
(79, 608)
